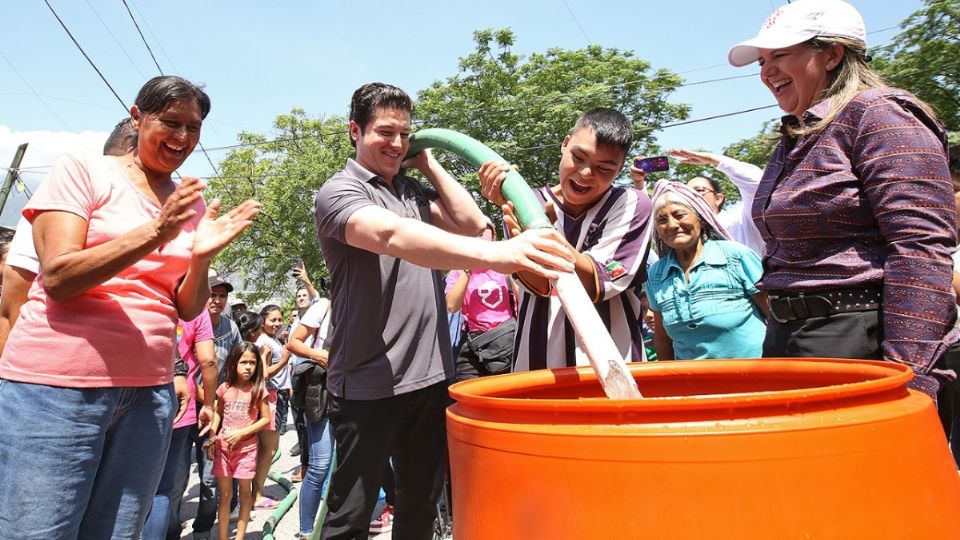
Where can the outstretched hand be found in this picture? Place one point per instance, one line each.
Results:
(214, 233)
(695, 158)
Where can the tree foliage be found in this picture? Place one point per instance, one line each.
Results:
(924, 58)
(522, 107)
(283, 174)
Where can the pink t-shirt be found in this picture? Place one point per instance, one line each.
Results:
(188, 335)
(237, 413)
(121, 332)
(486, 303)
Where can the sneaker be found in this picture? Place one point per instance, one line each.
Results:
(295, 451)
(384, 523)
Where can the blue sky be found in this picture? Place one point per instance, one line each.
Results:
(260, 59)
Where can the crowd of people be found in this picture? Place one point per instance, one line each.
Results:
(122, 351)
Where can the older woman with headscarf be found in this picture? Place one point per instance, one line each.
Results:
(702, 290)
(856, 205)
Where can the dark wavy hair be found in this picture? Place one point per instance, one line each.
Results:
(160, 91)
(258, 381)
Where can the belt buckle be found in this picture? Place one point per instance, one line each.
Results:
(773, 311)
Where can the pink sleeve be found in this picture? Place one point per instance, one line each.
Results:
(204, 327)
(221, 391)
(68, 188)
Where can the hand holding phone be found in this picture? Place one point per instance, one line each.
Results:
(652, 164)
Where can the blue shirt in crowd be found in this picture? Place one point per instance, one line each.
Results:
(712, 316)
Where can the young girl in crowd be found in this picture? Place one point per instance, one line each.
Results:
(278, 384)
(242, 411)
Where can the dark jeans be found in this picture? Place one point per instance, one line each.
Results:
(408, 428)
(164, 519)
(283, 404)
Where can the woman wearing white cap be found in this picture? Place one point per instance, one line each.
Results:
(855, 206)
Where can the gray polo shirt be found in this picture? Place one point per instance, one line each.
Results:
(389, 333)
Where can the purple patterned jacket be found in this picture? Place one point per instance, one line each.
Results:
(867, 202)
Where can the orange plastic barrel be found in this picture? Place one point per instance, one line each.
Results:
(732, 449)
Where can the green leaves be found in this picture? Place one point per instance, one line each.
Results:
(522, 107)
(924, 58)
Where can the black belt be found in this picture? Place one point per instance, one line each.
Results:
(791, 306)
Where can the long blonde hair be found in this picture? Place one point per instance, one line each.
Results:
(850, 77)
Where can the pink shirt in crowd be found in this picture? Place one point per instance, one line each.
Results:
(121, 332)
(238, 414)
(188, 335)
(486, 303)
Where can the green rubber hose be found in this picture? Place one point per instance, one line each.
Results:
(270, 525)
(526, 207)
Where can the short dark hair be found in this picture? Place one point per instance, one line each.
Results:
(120, 139)
(955, 159)
(160, 91)
(611, 128)
(377, 95)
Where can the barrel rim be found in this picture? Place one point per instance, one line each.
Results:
(879, 377)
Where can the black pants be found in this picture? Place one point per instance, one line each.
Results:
(856, 334)
(300, 422)
(409, 428)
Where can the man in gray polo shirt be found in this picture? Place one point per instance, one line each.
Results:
(381, 234)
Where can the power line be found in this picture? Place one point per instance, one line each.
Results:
(115, 40)
(142, 38)
(155, 38)
(580, 26)
(488, 111)
(147, 45)
(45, 104)
(104, 79)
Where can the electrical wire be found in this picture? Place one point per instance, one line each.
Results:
(84, 53)
(580, 26)
(115, 40)
(147, 45)
(43, 101)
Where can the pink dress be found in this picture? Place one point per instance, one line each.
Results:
(240, 460)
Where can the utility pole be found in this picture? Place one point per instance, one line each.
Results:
(11, 175)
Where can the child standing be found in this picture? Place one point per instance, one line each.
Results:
(242, 411)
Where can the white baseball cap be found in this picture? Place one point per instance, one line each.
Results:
(798, 22)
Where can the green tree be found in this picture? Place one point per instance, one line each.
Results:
(282, 173)
(523, 107)
(924, 58)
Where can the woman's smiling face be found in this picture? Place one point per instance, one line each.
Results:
(796, 76)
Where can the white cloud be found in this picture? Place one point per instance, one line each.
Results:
(43, 148)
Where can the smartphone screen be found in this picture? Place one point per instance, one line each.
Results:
(652, 164)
